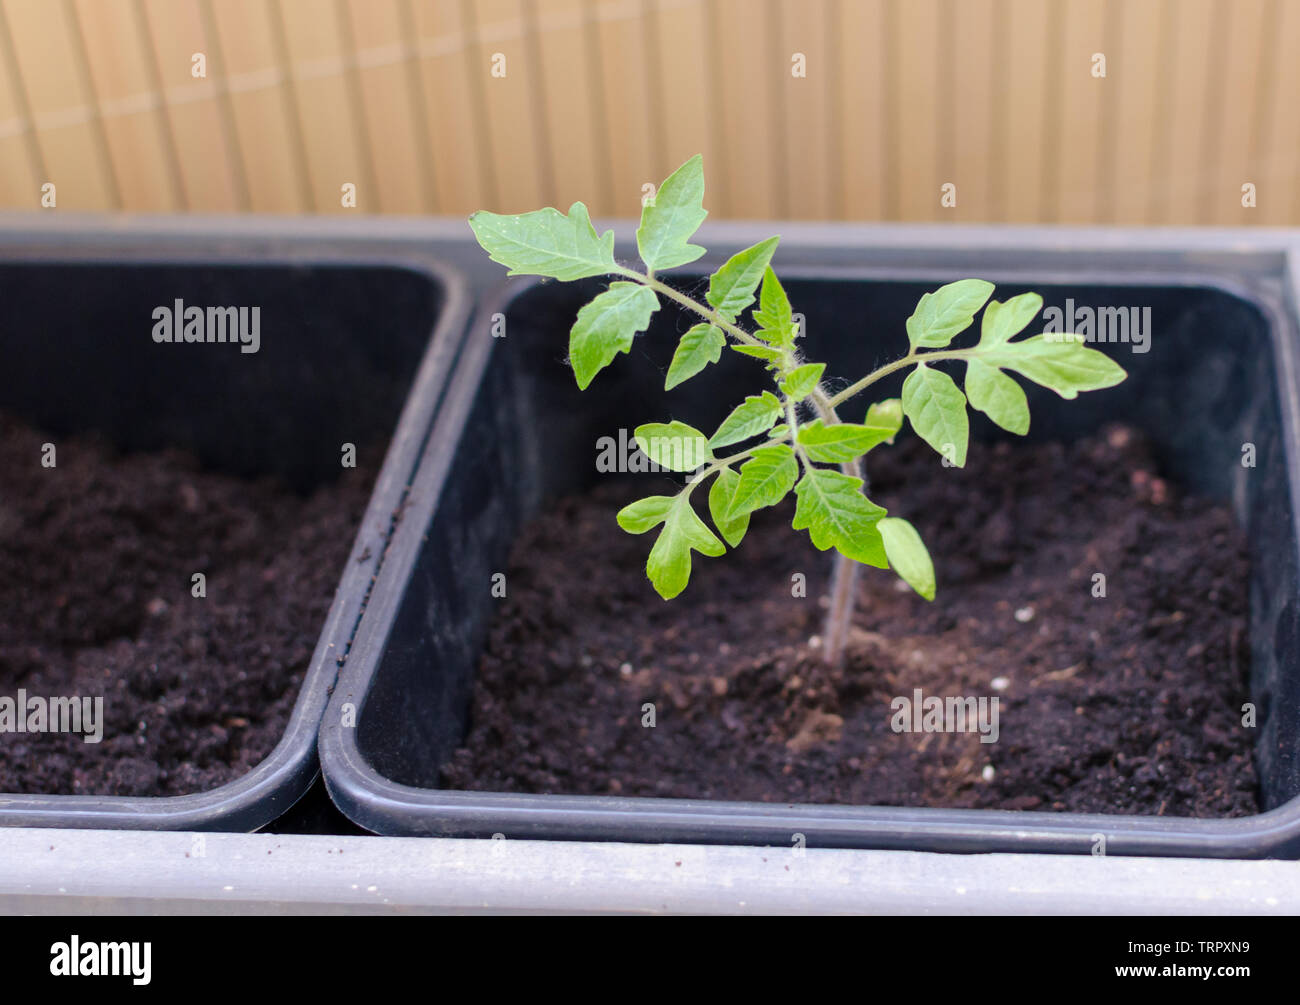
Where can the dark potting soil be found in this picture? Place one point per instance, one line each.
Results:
(96, 559)
(1124, 703)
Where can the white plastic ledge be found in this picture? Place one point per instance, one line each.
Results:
(117, 872)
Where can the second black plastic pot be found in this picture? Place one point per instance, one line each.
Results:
(516, 432)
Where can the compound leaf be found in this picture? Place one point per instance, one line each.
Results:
(669, 564)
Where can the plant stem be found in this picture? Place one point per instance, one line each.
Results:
(691, 304)
(726, 462)
(898, 364)
(844, 574)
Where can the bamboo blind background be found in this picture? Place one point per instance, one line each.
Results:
(599, 97)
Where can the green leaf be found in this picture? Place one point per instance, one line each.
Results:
(802, 381)
(757, 414)
(774, 357)
(950, 309)
(698, 348)
(673, 445)
(777, 431)
(669, 220)
(836, 443)
(721, 495)
(1059, 362)
(1003, 321)
(885, 419)
(731, 288)
(908, 555)
(765, 479)
(606, 326)
(546, 242)
(837, 515)
(775, 320)
(937, 409)
(640, 516)
(669, 564)
(997, 396)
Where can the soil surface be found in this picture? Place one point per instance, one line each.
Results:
(1123, 703)
(96, 556)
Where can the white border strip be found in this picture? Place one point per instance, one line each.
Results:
(102, 872)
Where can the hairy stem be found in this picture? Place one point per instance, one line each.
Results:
(691, 304)
(725, 462)
(909, 360)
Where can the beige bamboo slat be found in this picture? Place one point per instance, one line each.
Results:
(1137, 50)
(567, 98)
(684, 87)
(617, 35)
(1233, 157)
(807, 108)
(193, 109)
(453, 87)
(1180, 190)
(1025, 74)
(914, 106)
(126, 92)
(388, 97)
(970, 154)
(1080, 138)
(516, 147)
(22, 170)
(56, 83)
(317, 53)
(241, 37)
(1279, 146)
(743, 52)
(196, 108)
(860, 87)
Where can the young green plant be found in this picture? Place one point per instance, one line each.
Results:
(790, 436)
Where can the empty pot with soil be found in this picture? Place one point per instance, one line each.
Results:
(203, 458)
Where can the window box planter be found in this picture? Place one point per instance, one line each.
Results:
(1219, 373)
(353, 340)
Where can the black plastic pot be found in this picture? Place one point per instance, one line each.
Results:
(1220, 371)
(345, 333)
